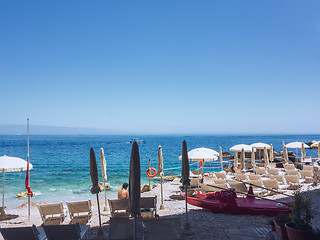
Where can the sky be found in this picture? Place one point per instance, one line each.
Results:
(162, 67)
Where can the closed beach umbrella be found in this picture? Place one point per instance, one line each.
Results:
(134, 182)
(303, 153)
(12, 164)
(236, 160)
(104, 175)
(185, 165)
(285, 153)
(220, 157)
(319, 151)
(95, 189)
(253, 160)
(160, 173)
(242, 159)
(160, 162)
(186, 182)
(271, 153)
(134, 186)
(265, 157)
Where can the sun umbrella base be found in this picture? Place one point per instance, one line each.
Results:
(161, 207)
(187, 229)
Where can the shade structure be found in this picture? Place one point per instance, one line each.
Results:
(185, 165)
(285, 153)
(265, 157)
(271, 153)
(235, 160)
(220, 156)
(242, 159)
(253, 160)
(185, 171)
(95, 189)
(239, 147)
(134, 186)
(296, 145)
(134, 182)
(160, 162)
(315, 145)
(202, 154)
(160, 173)
(260, 145)
(303, 152)
(12, 164)
(104, 175)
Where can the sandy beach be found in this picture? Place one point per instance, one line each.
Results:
(204, 223)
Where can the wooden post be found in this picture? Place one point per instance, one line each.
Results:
(149, 173)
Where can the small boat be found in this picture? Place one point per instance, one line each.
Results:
(137, 140)
(227, 201)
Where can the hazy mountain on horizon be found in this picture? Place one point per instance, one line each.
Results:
(17, 129)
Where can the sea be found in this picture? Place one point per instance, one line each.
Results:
(61, 163)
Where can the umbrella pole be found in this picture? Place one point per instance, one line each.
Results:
(161, 205)
(187, 228)
(4, 173)
(28, 206)
(99, 210)
(105, 195)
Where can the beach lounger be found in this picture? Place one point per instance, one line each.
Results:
(219, 181)
(292, 172)
(307, 167)
(256, 187)
(122, 228)
(163, 228)
(289, 166)
(25, 233)
(221, 175)
(273, 184)
(65, 232)
(272, 165)
(118, 207)
(248, 165)
(307, 176)
(279, 178)
(79, 212)
(254, 177)
(208, 179)
(273, 171)
(52, 214)
(238, 187)
(260, 171)
(240, 176)
(293, 181)
(148, 207)
(205, 188)
(261, 165)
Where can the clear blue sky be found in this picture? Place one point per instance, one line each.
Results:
(162, 66)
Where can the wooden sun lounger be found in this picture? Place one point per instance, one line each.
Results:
(65, 232)
(25, 233)
(52, 214)
(80, 212)
(118, 207)
(122, 228)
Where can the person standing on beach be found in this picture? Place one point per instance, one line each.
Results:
(123, 193)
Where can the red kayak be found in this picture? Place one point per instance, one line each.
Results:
(227, 201)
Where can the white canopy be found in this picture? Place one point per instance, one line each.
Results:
(260, 145)
(202, 154)
(296, 145)
(239, 147)
(315, 145)
(13, 164)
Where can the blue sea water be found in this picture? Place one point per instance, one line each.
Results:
(61, 163)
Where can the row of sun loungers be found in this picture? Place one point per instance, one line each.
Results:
(50, 232)
(53, 214)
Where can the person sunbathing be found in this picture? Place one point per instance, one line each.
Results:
(123, 193)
